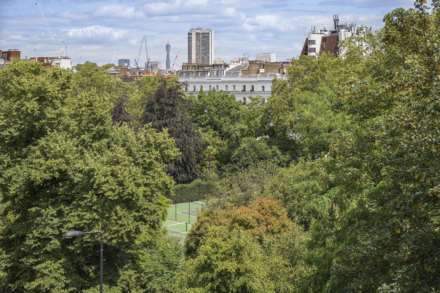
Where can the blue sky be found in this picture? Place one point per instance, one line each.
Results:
(106, 30)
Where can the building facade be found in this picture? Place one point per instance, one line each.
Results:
(266, 57)
(201, 46)
(124, 63)
(242, 88)
(9, 56)
(60, 62)
(242, 78)
(190, 70)
(330, 41)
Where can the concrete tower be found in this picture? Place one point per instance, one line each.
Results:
(168, 61)
(200, 46)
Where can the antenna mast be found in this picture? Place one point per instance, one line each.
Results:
(336, 22)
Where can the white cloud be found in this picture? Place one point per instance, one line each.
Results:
(96, 32)
(230, 11)
(175, 6)
(267, 22)
(118, 11)
(284, 23)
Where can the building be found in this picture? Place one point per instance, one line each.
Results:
(201, 46)
(124, 63)
(330, 41)
(242, 88)
(266, 57)
(152, 66)
(130, 74)
(260, 68)
(242, 78)
(60, 62)
(190, 70)
(168, 59)
(9, 56)
(312, 45)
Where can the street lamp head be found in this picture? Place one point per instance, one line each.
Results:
(73, 234)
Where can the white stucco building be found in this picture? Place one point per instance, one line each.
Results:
(62, 62)
(242, 78)
(241, 87)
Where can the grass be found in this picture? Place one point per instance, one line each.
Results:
(181, 216)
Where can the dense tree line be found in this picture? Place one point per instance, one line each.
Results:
(360, 136)
(330, 186)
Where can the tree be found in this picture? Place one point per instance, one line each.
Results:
(168, 109)
(228, 261)
(217, 111)
(254, 150)
(266, 224)
(300, 118)
(67, 166)
(31, 100)
(120, 114)
(384, 234)
(302, 189)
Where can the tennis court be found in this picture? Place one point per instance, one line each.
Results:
(181, 217)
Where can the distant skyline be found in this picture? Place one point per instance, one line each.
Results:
(105, 31)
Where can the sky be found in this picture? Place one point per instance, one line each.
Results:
(104, 31)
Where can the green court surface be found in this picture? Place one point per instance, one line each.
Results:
(181, 216)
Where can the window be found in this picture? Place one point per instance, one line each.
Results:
(252, 88)
(201, 88)
(226, 87)
(244, 88)
(210, 87)
(312, 42)
(194, 88)
(234, 87)
(216, 87)
(312, 50)
(244, 100)
(263, 89)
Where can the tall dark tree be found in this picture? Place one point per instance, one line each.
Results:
(168, 109)
(120, 114)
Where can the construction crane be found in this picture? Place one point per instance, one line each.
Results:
(144, 45)
(174, 62)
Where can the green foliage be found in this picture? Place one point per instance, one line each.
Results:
(243, 186)
(91, 77)
(255, 150)
(66, 166)
(226, 262)
(218, 111)
(302, 188)
(357, 210)
(383, 233)
(138, 96)
(155, 270)
(275, 243)
(299, 118)
(194, 191)
(232, 132)
(168, 109)
(30, 100)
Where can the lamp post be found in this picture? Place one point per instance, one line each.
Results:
(76, 233)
